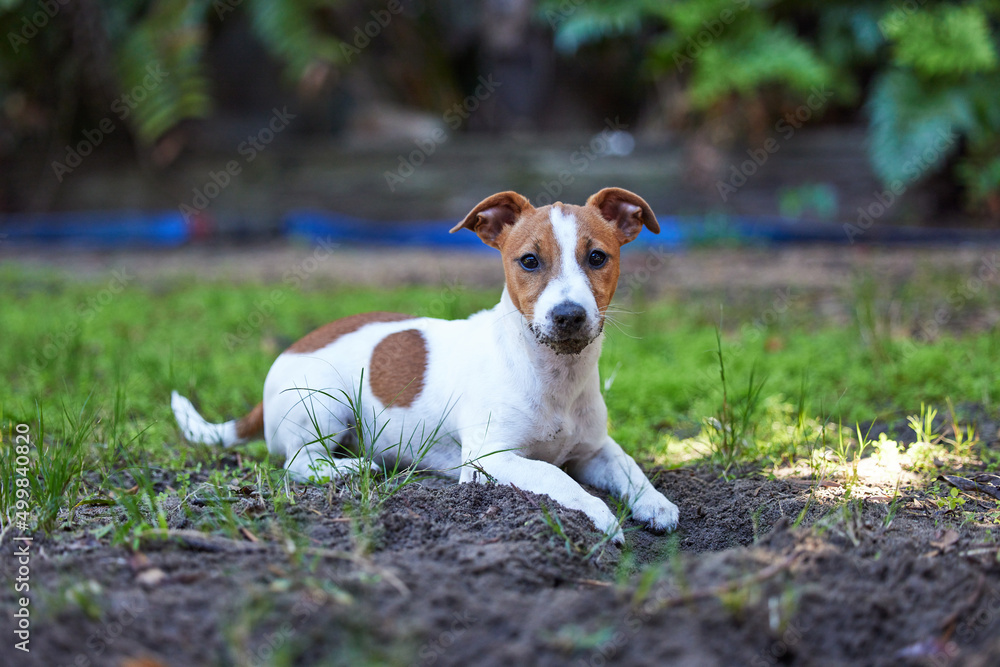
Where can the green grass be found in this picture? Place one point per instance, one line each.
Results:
(667, 376)
(371, 484)
(93, 379)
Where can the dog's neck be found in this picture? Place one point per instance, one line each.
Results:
(558, 372)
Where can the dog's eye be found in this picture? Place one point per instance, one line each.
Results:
(529, 262)
(597, 259)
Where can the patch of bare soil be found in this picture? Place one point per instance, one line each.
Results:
(762, 571)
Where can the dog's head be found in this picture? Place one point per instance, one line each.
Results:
(561, 261)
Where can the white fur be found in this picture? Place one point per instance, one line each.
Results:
(571, 283)
(196, 429)
(509, 407)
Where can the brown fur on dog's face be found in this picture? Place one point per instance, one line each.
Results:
(534, 235)
(561, 262)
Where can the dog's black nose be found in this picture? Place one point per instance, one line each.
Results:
(568, 317)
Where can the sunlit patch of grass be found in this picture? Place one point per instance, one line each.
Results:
(782, 435)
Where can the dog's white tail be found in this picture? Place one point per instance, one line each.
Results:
(234, 432)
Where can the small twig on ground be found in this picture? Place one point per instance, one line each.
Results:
(526, 498)
(982, 483)
(592, 582)
(198, 541)
(981, 552)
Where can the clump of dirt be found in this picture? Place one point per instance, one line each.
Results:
(761, 571)
(496, 529)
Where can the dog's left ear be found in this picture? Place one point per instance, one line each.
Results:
(492, 216)
(626, 210)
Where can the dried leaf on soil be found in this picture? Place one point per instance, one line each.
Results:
(945, 540)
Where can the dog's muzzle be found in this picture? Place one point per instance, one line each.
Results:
(568, 331)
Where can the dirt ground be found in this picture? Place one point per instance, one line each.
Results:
(473, 574)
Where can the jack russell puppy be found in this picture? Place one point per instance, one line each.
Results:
(512, 393)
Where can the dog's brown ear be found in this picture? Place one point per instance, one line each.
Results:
(626, 210)
(492, 215)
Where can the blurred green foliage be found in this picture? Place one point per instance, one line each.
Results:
(923, 73)
(171, 34)
(926, 72)
(69, 40)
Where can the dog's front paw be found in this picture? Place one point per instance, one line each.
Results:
(654, 509)
(605, 521)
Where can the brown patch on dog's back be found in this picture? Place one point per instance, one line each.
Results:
(252, 424)
(397, 368)
(328, 333)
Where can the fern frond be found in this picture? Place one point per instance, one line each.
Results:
(944, 40)
(290, 31)
(161, 68)
(914, 124)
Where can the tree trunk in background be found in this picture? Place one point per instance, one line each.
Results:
(517, 55)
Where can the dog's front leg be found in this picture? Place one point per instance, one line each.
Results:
(543, 478)
(613, 470)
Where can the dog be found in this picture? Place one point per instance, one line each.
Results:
(512, 393)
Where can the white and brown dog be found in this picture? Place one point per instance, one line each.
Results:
(513, 392)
